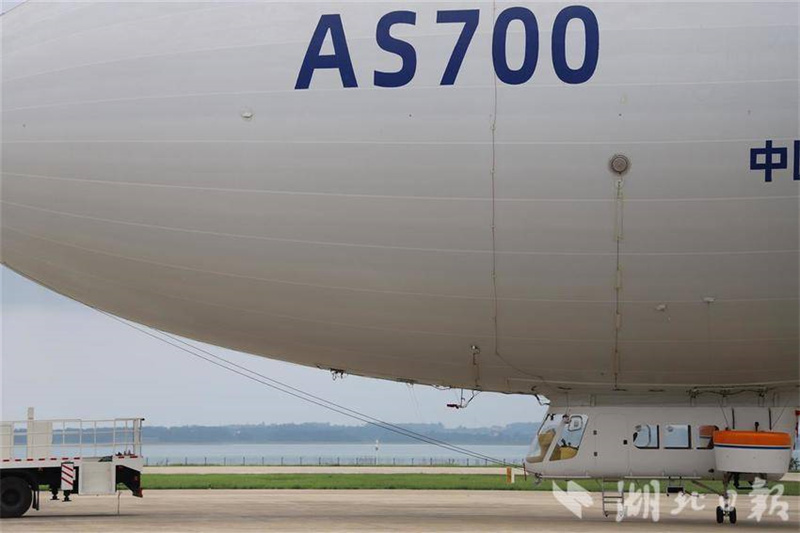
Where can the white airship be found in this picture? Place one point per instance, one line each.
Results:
(594, 203)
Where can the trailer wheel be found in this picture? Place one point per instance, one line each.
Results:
(15, 497)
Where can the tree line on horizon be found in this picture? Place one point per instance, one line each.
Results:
(519, 433)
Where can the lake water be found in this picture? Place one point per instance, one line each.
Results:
(326, 454)
(330, 454)
(314, 454)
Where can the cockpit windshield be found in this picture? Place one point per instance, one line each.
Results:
(569, 439)
(545, 436)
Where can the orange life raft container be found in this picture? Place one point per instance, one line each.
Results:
(757, 452)
(756, 439)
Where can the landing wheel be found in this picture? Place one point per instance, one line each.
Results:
(722, 513)
(16, 497)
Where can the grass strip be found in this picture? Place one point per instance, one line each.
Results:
(379, 481)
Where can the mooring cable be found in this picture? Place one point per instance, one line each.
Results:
(300, 394)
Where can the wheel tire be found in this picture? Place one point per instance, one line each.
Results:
(720, 515)
(732, 516)
(15, 497)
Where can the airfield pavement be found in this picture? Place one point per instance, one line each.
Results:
(496, 471)
(365, 510)
(462, 470)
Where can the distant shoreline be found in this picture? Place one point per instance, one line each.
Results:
(328, 443)
(518, 434)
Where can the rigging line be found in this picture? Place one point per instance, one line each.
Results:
(495, 311)
(493, 176)
(413, 394)
(386, 425)
(406, 431)
(775, 423)
(495, 298)
(724, 414)
(619, 233)
(281, 387)
(323, 403)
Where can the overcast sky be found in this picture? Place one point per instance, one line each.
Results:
(70, 361)
(8, 4)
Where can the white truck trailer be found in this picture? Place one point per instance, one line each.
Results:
(70, 456)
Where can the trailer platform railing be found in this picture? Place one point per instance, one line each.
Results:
(38, 439)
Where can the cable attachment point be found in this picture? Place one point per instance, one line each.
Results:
(463, 402)
(476, 369)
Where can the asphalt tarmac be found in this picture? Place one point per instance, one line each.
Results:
(371, 510)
